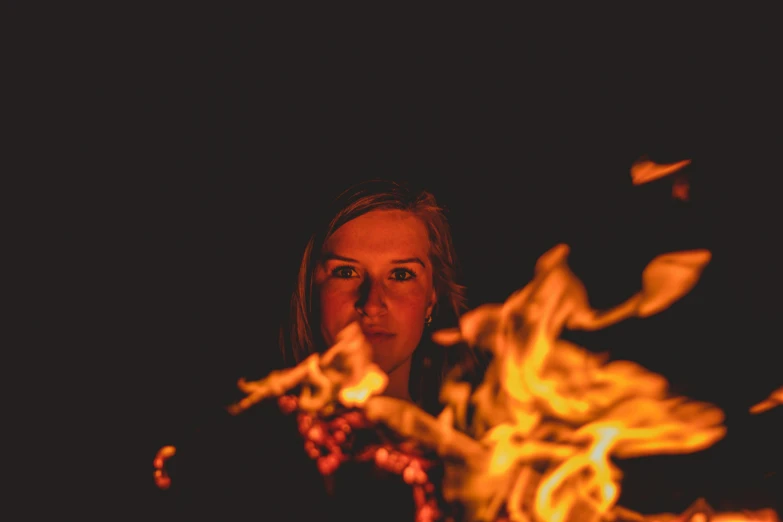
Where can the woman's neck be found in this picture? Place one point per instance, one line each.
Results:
(398, 381)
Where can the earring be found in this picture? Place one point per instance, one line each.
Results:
(428, 320)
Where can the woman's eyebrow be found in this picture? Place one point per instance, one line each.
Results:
(330, 256)
(409, 260)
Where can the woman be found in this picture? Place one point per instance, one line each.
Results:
(383, 257)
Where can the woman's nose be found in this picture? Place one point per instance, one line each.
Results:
(372, 298)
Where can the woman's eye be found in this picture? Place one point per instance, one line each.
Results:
(344, 272)
(403, 274)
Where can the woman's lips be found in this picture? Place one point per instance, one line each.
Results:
(377, 337)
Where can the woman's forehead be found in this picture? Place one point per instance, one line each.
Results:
(390, 232)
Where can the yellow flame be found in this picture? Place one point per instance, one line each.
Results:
(372, 383)
(551, 414)
(345, 373)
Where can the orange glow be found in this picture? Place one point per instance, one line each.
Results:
(700, 511)
(644, 170)
(162, 479)
(681, 189)
(549, 418)
(550, 415)
(374, 381)
(344, 374)
(775, 399)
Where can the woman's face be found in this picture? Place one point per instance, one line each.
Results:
(376, 270)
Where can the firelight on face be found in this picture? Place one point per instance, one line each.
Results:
(376, 269)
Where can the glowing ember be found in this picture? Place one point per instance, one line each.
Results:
(681, 189)
(161, 476)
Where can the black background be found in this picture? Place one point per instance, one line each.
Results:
(194, 144)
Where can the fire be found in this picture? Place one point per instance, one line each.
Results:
(775, 399)
(536, 440)
(546, 422)
(357, 394)
(344, 374)
(550, 415)
(700, 511)
(644, 170)
(161, 476)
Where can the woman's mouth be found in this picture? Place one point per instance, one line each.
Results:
(378, 337)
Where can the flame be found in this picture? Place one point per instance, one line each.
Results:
(344, 374)
(644, 170)
(700, 511)
(550, 415)
(161, 476)
(536, 439)
(372, 383)
(774, 399)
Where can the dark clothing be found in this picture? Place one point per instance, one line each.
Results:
(249, 466)
(254, 466)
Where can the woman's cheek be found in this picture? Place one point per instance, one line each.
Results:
(337, 309)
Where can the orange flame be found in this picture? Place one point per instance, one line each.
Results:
(774, 399)
(700, 511)
(343, 374)
(644, 170)
(161, 476)
(550, 414)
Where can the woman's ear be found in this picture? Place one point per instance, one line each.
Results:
(433, 302)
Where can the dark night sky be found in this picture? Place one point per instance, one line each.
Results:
(209, 137)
